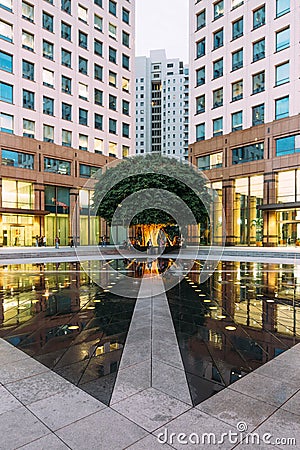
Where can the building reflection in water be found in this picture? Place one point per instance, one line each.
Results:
(241, 317)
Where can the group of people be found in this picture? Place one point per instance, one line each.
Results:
(40, 241)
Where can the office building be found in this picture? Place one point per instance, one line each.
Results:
(244, 115)
(66, 95)
(162, 101)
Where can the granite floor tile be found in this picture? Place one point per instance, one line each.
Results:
(20, 370)
(49, 442)
(7, 401)
(149, 443)
(171, 381)
(131, 380)
(150, 408)
(293, 404)
(278, 369)
(104, 430)
(38, 387)
(282, 425)
(232, 407)
(19, 427)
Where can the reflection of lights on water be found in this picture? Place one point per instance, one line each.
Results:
(90, 307)
(73, 327)
(221, 317)
(97, 301)
(213, 307)
(230, 328)
(197, 290)
(201, 295)
(206, 301)
(105, 290)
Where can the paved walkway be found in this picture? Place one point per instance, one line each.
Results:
(40, 410)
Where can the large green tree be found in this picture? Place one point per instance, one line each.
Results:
(145, 173)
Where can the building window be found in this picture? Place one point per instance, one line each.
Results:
(112, 149)
(112, 127)
(112, 55)
(218, 98)
(237, 121)
(213, 161)
(48, 78)
(282, 7)
(87, 171)
(48, 50)
(98, 121)
(112, 102)
(6, 4)
(125, 15)
(282, 73)
(98, 72)
(125, 130)
(48, 133)
(259, 50)
(6, 31)
(125, 151)
(6, 62)
(200, 76)
(218, 68)
(98, 22)
(66, 138)
(112, 76)
(6, 123)
(125, 107)
(200, 132)
(82, 40)
(98, 2)
(66, 58)
(27, 11)
(65, 31)
(83, 91)
(27, 70)
(238, 28)
(218, 9)
(288, 145)
(28, 99)
(82, 14)
(125, 84)
(27, 41)
(218, 39)
(83, 142)
(200, 48)
(57, 166)
(17, 194)
(98, 97)
(48, 106)
(17, 159)
(66, 111)
(66, 6)
(98, 47)
(82, 65)
(237, 90)
(282, 39)
(125, 61)
(66, 85)
(28, 128)
(47, 22)
(218, 126)
(112, 7)
(247, 153)
(259, 17)
(200, 104)
(125, 39)
(258, 115)
(237, 59)
(98, 145)
(201, 19)
(112, 30)
(282, 107)
(83, 117)
(258, 82)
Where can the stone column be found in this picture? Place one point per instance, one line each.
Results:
(74, 216)
(236, 217)
(270, 236)
(252, 220)
(228, 205)
(39, 205)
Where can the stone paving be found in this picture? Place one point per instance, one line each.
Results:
(40, 410)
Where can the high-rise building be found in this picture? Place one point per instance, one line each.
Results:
(244, 114)
(162, 105)
(66, 95)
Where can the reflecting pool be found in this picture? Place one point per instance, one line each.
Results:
(241, 317)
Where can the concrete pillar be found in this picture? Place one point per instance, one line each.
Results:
(228, 205)
(217, 225)
(74, 216)
(39, 205)
(252, 220)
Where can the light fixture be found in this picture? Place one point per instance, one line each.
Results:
(73, 327)
(230, 328)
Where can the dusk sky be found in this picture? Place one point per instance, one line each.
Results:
(162, 24)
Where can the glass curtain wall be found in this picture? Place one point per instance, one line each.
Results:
(89, 224)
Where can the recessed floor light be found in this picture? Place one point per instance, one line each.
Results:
(230, 328)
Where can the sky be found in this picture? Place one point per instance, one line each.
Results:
(162, 24)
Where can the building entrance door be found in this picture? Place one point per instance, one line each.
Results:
(17, 236)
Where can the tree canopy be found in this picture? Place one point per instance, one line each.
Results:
(146, 173)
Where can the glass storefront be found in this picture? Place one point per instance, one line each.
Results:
(89, 224)
(19, 230)
(57, 202)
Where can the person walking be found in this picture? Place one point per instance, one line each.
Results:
(57, 242)
(36, 241)
(149, 247)
(44, 241)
